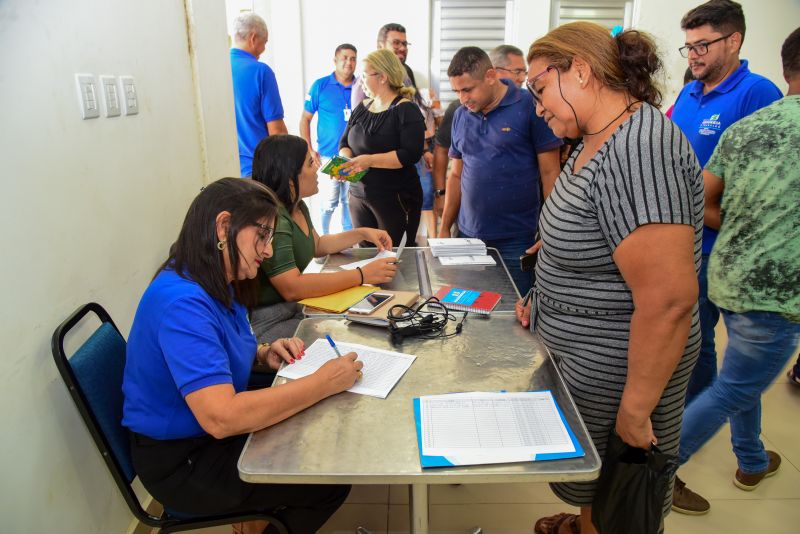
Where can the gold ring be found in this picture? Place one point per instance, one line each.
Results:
(360, 375)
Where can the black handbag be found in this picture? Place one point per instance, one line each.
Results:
(632, 488)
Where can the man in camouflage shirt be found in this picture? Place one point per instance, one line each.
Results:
(753, 274)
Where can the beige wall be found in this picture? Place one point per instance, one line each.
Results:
(89, 209)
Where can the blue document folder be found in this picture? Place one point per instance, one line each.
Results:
(451, 461)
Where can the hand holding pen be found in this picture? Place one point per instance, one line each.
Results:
(344, 369)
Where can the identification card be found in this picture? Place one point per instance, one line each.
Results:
(346, 114)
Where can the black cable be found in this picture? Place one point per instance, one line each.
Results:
(427, 320)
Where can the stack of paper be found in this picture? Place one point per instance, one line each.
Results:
(457, 246)
(490, 428)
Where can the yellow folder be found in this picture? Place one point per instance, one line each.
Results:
(341, 301)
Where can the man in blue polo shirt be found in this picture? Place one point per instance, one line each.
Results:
(329, 97)
(723, 92)
(259, 111)
(502, 154)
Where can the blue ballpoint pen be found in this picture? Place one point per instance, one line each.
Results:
(335, 348)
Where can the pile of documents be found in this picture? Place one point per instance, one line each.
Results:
(457, 246)
(460, 251)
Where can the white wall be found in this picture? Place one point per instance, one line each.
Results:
(769, 23)
(89, 209)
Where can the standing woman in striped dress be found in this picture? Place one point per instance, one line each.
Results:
(616, 280)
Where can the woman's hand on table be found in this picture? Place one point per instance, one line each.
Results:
(286, 349)
(634, 429)
(379, 271)
(523, 313)
(340, 374)
(379, 238)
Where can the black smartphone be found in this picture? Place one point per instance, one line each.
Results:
(527, 262)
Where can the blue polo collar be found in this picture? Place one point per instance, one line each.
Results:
(727, 85)
(512, 96)
(337, 82)
(243, 53)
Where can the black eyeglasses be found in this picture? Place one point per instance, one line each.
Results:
(397, 43)
(530, 82)
(515, 72)
(701, 49)
(265, 234)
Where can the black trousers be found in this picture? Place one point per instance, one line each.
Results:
(198, 476)
(395, 212)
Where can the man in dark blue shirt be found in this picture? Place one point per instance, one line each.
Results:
(723, 91)
(502, 152)
(329, 98)
(259, 111)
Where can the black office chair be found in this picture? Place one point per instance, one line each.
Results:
(93, 376)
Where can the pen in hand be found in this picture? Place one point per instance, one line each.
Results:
(335, 348)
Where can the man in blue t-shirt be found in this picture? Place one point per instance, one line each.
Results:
(329, 98)
(259, 112)
(723, 92)
(502, 152)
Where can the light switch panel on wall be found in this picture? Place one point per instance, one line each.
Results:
(87, 96)
(108, 85)
(130, 98)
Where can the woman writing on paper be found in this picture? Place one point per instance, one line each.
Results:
(385, 136)
(189, 357)
(616, 279)
(285, 164)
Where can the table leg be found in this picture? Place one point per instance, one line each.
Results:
(418, 508)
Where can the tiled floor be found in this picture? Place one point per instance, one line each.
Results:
(513, 508)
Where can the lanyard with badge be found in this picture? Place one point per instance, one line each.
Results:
(347, 111)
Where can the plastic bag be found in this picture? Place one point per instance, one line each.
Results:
(632, 488)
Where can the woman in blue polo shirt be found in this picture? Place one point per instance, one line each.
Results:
(190, 354)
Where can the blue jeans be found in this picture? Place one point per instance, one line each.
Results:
(338, 197)
(510, 250)
(426, 181)
(705, 371)
(759, 346)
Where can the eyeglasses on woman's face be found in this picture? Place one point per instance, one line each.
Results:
(701, 48)
(264, 234)
(530, 83)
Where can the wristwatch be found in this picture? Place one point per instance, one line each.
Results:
(438, 193)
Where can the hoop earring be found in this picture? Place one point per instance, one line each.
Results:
(221, 245)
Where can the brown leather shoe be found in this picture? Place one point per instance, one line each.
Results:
(685, 501)
(749, 482)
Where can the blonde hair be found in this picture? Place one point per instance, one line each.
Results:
(628, 62)
(385, 62)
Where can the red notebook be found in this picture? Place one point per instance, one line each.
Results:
(469, 300)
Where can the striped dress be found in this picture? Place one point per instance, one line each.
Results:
(646, 172)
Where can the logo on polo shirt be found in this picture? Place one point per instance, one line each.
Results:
(711, 125)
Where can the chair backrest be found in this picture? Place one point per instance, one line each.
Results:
(93, 376)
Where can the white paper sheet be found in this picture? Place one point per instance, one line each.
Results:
(467, 260)
(484, 428)
(361, 263)
(382, 368)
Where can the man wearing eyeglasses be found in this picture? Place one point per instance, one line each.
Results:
(509, 62)
(724, 91)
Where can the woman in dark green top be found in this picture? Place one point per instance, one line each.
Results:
(285, 164)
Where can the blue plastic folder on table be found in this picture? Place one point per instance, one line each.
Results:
(444, 461)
